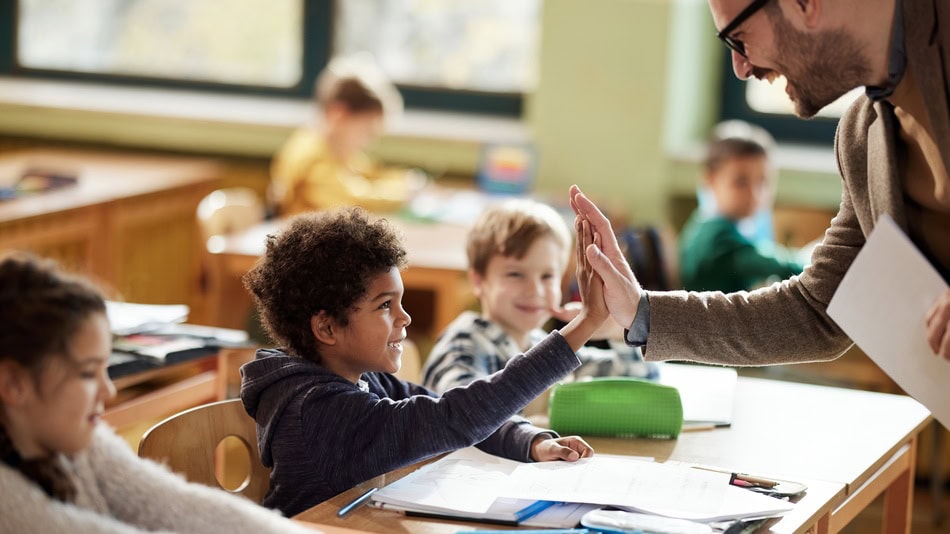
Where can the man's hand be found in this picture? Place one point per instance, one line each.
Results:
(569, 449)
(621, 289)
(938, 326)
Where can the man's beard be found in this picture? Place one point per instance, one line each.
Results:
(819, 68)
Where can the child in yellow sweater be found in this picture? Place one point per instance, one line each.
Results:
(324, 165)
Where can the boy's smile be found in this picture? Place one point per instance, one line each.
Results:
(518, 294)
(372, 340)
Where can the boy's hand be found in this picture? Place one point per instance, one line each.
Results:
(621, 289)
(569, 449)
(570, 310)
(594, 310)
(589, 282)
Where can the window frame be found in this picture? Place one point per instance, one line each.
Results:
(784, 128)
(318, 16)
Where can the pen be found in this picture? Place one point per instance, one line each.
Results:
(532, 510)
(739, 479)
(690, 427)
(356, 502)
(742, 479)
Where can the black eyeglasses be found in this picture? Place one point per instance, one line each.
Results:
(732, 42)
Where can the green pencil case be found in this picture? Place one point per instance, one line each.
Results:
(616, 407)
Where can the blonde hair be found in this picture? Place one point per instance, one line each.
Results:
(359, 85)
(510, 228)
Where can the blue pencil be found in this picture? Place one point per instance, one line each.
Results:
(534, 509)
(357, 502)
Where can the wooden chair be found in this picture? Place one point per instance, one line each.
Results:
(228, 210)
(187, 442)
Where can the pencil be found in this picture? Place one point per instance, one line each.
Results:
(356, 502)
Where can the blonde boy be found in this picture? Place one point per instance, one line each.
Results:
(517, 254)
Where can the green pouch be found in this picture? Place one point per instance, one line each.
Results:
(616, 407)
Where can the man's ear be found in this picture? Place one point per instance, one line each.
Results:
(13, 384)
(475, 280)
(809, 12)
(324, 328)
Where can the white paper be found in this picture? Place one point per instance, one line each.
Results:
(707, 392)
(129, 318)
(656, 488)
(881, 304)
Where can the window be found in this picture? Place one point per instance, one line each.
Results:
(767, 105)
(465, 55)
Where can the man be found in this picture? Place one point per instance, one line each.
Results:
(892, 148)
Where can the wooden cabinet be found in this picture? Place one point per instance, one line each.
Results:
(129, 223)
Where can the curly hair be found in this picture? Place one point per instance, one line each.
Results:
(41, 309)
(320, 262)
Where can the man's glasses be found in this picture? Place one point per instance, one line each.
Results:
(732, 42)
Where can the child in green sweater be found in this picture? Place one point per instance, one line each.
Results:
(715, 253)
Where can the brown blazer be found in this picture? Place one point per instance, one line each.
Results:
(787, 322)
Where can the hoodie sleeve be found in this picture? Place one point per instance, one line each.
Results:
(382, 434)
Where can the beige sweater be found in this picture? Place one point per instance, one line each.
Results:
(118, 492)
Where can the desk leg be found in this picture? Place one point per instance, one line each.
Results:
(899, 497)
(895, 480)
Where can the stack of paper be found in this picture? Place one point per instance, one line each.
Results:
(126, 318)
(474, 485)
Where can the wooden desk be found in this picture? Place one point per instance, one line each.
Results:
(849, 447)
(129, 223)
(163, 391)
(436, 256)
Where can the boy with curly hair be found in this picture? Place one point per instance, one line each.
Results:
(518, 252)
(330, 413)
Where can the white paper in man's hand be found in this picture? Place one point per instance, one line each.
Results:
(882, 303)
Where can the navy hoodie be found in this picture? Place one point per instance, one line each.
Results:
(322, 434)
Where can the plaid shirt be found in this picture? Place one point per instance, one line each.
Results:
(473, 347)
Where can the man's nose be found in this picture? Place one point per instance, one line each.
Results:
(741, 66)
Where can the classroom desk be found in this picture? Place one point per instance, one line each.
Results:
(849, 446)
(129, 222)
(155, 389)
(436, 263)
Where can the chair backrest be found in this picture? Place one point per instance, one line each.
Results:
(648, 257)
(229, 210)
(187, 442)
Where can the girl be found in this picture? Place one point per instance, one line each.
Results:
(61, 469)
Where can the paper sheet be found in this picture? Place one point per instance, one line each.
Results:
(707, 392)
(656, 488)
(881, 304)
